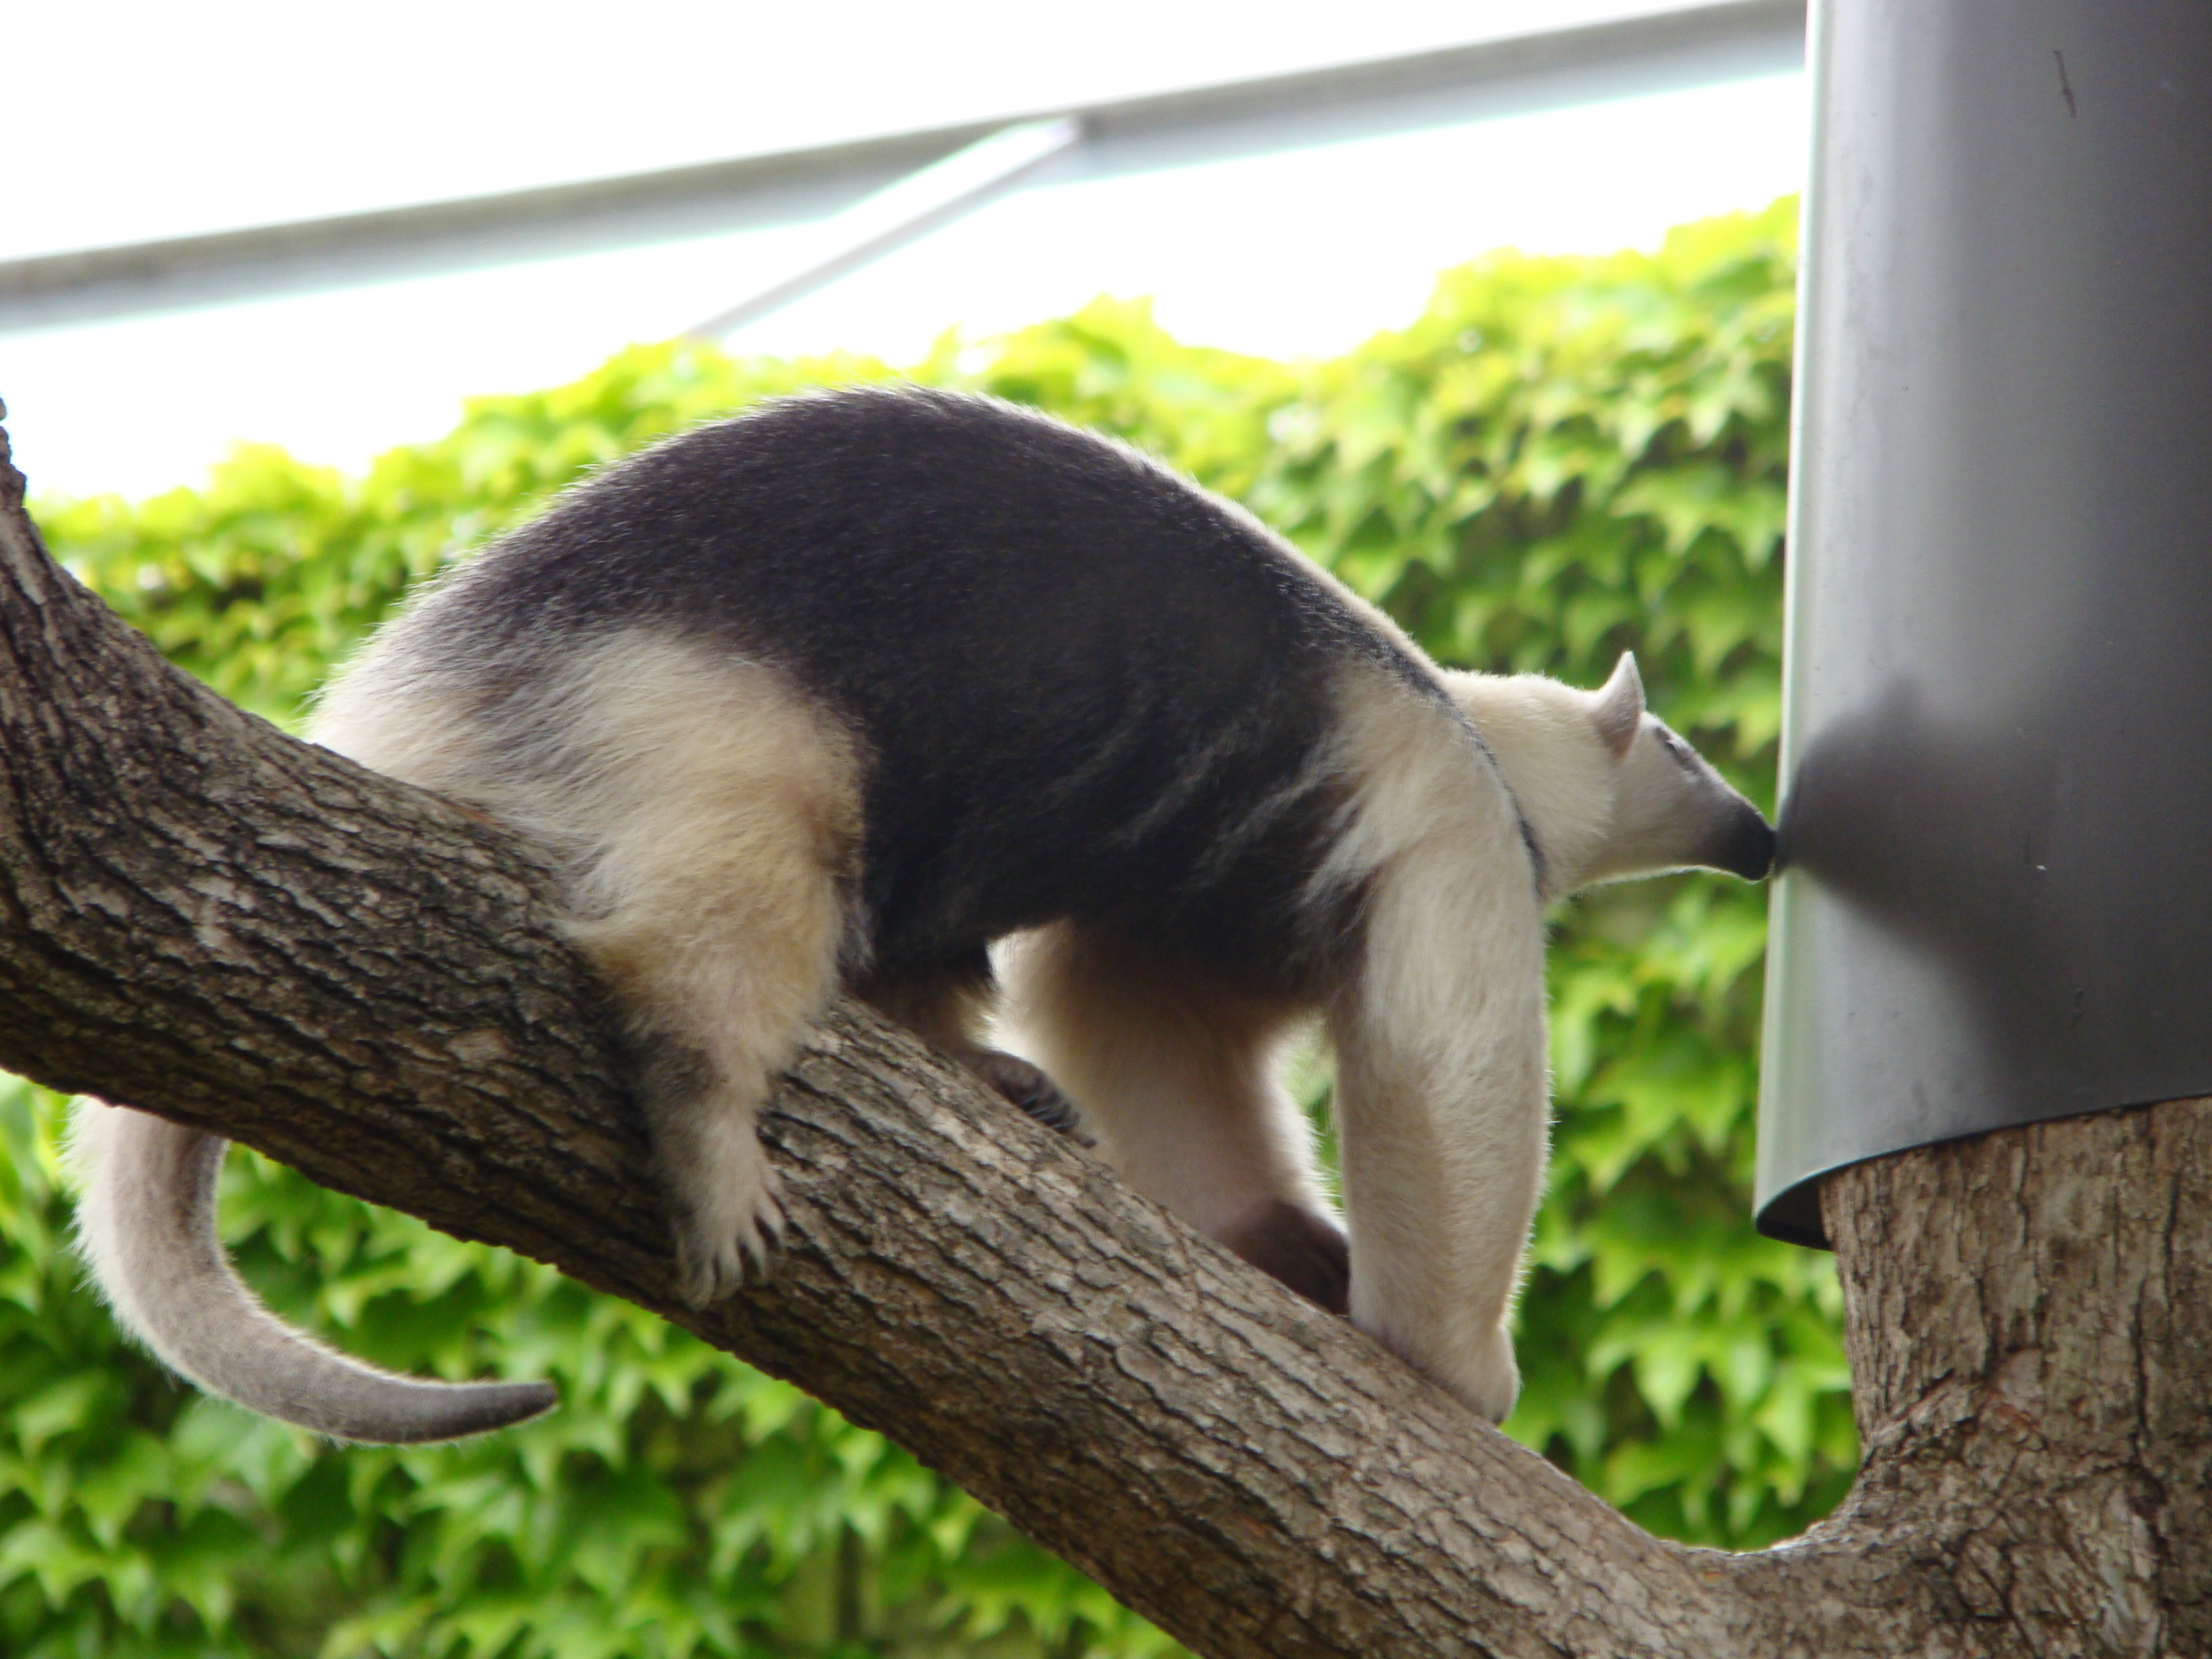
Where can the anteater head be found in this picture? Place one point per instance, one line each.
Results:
(1606, 790)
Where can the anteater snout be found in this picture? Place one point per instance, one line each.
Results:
(1746, 847)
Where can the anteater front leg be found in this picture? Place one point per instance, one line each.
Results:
(1441, 1101)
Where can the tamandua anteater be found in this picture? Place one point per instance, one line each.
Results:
(855, 686)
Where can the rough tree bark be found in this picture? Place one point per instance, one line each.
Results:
(208, 920)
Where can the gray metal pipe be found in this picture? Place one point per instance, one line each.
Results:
(1998, 725)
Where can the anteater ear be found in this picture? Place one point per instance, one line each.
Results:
(1620, 707)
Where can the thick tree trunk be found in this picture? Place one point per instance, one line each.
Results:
(208, 920)
(2029, 1332)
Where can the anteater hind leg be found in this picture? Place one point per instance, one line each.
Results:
(709, 815)
(951, 1007)
(717, 987)
(1175, 1069)
(723, 812)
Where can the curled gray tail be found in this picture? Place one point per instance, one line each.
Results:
(146, 1223)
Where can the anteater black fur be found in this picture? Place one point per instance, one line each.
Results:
(1083, 687)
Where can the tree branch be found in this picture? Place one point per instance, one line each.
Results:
(212, 921)
(209, 921)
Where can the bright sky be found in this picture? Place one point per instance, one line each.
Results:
(164, 120)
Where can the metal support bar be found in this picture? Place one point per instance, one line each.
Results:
(892, 218)
(1686, 45)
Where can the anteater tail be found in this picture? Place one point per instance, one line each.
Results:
(146, 1223)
